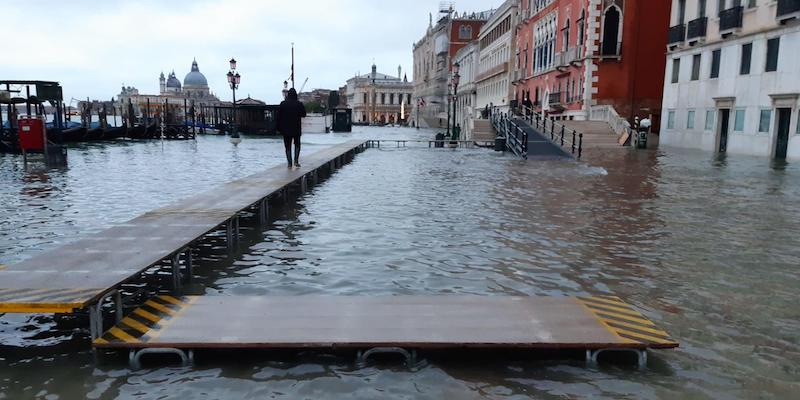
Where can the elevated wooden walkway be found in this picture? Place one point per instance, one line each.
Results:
(85, 272)
(399, 324)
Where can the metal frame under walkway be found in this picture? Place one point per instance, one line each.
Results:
(399, 324)
(85, 273)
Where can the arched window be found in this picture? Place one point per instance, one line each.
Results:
(611, 30)
(581, 27)
(565, 33)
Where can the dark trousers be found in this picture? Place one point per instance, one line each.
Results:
(287, 143)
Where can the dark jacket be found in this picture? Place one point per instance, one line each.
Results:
(290, 112)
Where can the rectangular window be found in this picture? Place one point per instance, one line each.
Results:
(701, 8)
(690, 119)
(747, 53)
(738, 121)
(764, 120)
(671, 120)
(715, 59)
(710, 120)
(696, 67)
(773, 46)
(676, 69)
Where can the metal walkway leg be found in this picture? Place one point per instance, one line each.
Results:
(411, 357)
(592, 355)
(96, 328)
(304, 184)
(263, 212)
(135, 356)
(187, 259)
(176, 273)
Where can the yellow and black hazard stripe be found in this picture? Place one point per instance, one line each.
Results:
(143, 323)
(627, 323)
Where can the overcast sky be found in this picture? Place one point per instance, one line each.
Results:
(93, 47)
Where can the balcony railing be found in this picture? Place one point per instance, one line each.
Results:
(573, 54)
(677, 34)
(730, 19)
(554, 98)
(697, 28)
(788, 9)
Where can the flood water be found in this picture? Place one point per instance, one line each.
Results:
(706, 247)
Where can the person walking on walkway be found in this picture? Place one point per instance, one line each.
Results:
(289, 125)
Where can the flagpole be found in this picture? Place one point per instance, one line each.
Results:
(292, 65)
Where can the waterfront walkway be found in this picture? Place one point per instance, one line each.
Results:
(83, 272)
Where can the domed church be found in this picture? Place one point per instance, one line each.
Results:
(195, 85)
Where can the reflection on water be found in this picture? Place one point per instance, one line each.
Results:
(705, 245)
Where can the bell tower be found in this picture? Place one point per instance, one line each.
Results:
(162, 83)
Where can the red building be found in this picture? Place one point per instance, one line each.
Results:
(578, 59)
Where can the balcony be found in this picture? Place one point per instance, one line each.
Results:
(573, 55)
(730, 20)
(677, 34)
(554, 99)
(697, 29)
(788, 9)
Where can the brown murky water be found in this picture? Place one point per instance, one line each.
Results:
(706, 247)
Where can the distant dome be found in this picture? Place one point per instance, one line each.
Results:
(173, 82)
(195, 78)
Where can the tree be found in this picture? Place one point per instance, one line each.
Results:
(313, 107)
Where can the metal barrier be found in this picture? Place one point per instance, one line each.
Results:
(569, 140)
(516, 137)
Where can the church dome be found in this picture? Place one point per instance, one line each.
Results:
(195, 77)
(173, 82)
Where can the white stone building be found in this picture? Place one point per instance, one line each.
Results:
(496, 41)
(378, 98)
(732, 79)
(467, 95)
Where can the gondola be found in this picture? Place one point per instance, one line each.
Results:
(152, 132)
(137, 132)
(94, 134)
(74, 134)
(114, 133)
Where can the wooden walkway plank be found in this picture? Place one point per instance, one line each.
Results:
(97, 263)
(401, 321)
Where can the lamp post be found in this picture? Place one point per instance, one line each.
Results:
(456, 78)
(233, 79)
(449, 87)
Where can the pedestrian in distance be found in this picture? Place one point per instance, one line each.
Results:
(290, 113)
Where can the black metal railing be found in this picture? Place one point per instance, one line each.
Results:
(516, 137)
(568, 139)
(697, 28)
(677, 34)
(730, 19)
(786, 7)
(554, 98)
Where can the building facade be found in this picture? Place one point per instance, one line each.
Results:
(732, 81)
(433, 56)
(378, 98)
(467, 94)
(576, 58)
(496, 43)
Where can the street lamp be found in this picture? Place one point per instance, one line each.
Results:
(456, 78)
(233, 80)
(449, 87)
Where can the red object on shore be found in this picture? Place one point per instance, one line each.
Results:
(31, 134)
